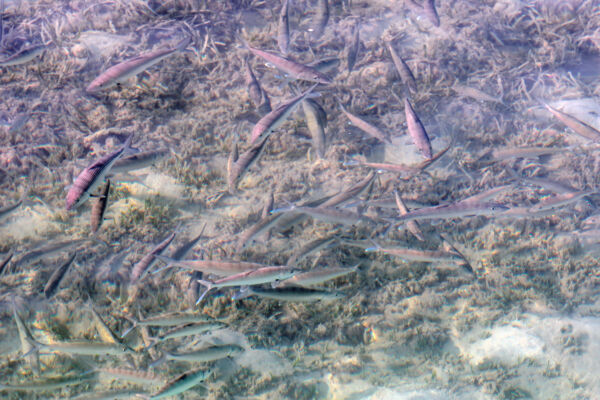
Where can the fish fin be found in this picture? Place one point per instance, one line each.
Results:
(133, 326)
(242, 293)
(376, 247)
(159, 361)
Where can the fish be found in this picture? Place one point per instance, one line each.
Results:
(474, 93)
(215, 267)
(83, 348)
(487, 195)
(29, 351)
(403, 70)
(454, 210)
(48, 250)
(579, 127)
(283, 36)
(23, 56)
(275, 118)
(559, 200)
(180, 385)
(131, 375)
(146, 263)
(297, 294)
(57, 277)
(430, 12)
(416, 130)
(170, 319)
(507, 153)
(209, 353)
(294, 69)
(257, 95)
(548, 184)
(366, 127)
(311, 247)
(109, 394)
(139, 160)
(47, 384)
(326, 64)
(243, 163)
(320, 20)
(353, 48)
(255, 277)
(6, 210)
(316, 276)
(186, 330)
(119, 73)
(418, 255)
(316, 120)
(5, 261)
(326, 214)
(407, 171)
(263, 225)
(412, 226)
(99, 208)
(92, 177)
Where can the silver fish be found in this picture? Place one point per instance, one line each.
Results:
(320, 19)
(215, 267)
(403, 70)
(139, 160)
(181, 384)
(283, 36)
(291, 67)
(146, 263)
(187, 330)
(559, 200)
(91, 177)
(99, 208)
(237, 168)
(367, 127)
(29, 351)
(259, 97)
(109, 394)
(262, 226)
(316, 276)
(297, 294)
(412, 226)
(57, 277)
(255, 277)
(353, 48)
(48, 383)
(170, 319)
(309, 248)
(275, 118)
(210, 353)
(23, 56)
(577, 126)
(131, 375)
(418, 255)
(117, 74)
(454, 210)
(416, 130)
(48, 250)
(84, 348)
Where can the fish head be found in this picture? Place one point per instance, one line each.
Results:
(497, 208)
(98, 85)
(75, 198)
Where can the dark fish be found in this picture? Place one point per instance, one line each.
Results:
(416, 130)
(140, 268)
(57, 276)
(403, 70)
(430, 12)
(243, 162)
(291, 67)
(353, 49)
(5, 262)
(117, 74)
(23, 56)
(275, 118)
(91, 177)
(283, 36)
(259, 97)
(320, 20)
(98, 209)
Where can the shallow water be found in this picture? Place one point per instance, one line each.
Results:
(524, 324)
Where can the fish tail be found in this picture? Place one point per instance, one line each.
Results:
(208, 286)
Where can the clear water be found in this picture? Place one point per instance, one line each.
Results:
(523, 324)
